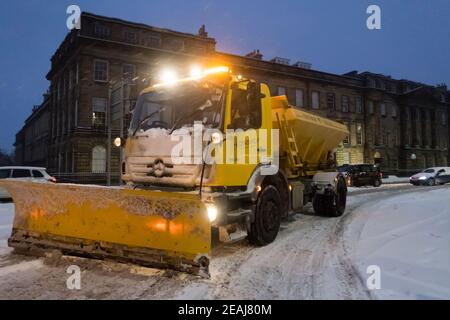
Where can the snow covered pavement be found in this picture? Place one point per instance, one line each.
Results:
(408, 238)
(405, 231)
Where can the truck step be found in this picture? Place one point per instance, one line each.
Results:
(239, 213)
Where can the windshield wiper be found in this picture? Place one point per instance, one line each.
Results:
(184, 116)
(145, 119)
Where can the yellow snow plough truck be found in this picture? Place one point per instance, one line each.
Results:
(210, 154)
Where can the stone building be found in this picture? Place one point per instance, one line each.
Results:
(87, 64)
(406, 123)
(402, 125)
(31, 145)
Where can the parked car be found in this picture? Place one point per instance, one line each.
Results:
(358, 175)
(23, 173)
(431, 176)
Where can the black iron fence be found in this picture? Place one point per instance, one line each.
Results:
(88, 178)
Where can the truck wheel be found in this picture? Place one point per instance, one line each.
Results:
(332, 205)
(265, 228)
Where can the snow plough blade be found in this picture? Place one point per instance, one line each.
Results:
(155, 229)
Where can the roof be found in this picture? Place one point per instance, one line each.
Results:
(26, 168)
(146, 26)
(289, 69)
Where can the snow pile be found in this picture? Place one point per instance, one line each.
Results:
(408, 237)
(6, 221)
(395, 179)
(382, 188)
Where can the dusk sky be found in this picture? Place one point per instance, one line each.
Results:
(414, 42)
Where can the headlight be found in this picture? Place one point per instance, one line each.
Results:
(216, 138)
(423, 178)
(212, 212)
(118, 142)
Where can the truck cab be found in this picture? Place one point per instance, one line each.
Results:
(225, 137)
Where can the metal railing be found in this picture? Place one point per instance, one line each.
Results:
(88, 178)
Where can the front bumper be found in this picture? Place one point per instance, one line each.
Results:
(417, 182)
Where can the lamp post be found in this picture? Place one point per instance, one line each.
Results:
(414, 158)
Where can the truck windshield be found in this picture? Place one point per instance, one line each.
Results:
(174, 107)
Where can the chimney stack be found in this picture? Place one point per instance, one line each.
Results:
(202, 32)
(255, 54)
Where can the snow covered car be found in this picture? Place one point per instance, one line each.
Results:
(23, 173)
(431, 176)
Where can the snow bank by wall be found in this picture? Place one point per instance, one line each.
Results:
(408, 237)
(6, 221)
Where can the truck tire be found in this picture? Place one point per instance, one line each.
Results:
(267, 222)
(332, 205)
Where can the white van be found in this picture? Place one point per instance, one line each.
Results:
(36, 174)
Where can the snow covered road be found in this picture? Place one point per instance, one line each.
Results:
(312, 258)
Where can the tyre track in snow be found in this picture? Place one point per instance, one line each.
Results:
(310, 259)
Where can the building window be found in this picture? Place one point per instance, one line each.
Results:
(281, 91)
(346, 140)
(383, 109)
(70, 79)
(101, 30)
(58, 90)
(200, 50)
(358, 105)
(154, 40)
(99, 159)
(394, 111)
(99, 112)
(176, 45)
(344, 101)
(331, 101)
(64, 80)
(370, 107)
(444, 118)
(315, 100)
(397, 137)
(130, 36)
(128, 71)
(77, 73)
(101, 70)
(359, 134)
(76, 113)
(299, 99)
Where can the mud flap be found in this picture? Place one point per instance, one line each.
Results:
(157, 229)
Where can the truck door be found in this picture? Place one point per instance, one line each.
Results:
(246, 121)
(248, 112)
